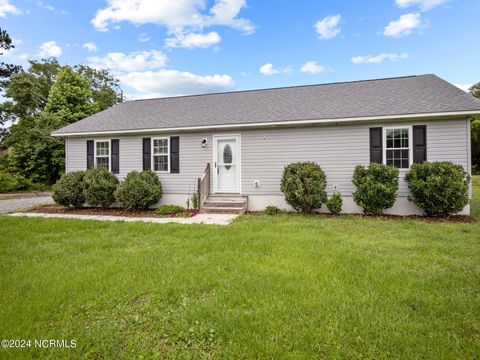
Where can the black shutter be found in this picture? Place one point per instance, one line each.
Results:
(90, 154)
(115, 157)
(376, 145)
(174, 155)
(147, 156)
(419, 143)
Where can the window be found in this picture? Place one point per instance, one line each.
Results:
(102, 154)
(397, 147)
(227, 156)
(160, 154)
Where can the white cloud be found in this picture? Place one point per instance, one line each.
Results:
(48, 49)
(173, 82)
(90, 46)
(422, 4)
(403, 26)
(312, 67)
(49, 7)
(142, 75)
(7, 7)
(268, 69)
(377, 59)
(144, 37)
(135, 61)
(328, 27)
(179, 16)
(464, 87)
(191, 40)
(225, 12)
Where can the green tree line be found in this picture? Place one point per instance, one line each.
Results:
(40, 99)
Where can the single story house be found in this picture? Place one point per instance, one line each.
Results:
(247, 137)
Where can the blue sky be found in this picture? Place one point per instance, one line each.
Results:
(165, 48)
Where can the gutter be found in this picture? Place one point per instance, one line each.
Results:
(288, 123)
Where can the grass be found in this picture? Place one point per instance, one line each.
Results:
(264, 287)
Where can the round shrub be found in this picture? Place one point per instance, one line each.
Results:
(139, 190)
(377, 186)
(170, 210)
(304, 186)
(439, 188)
(68, 190)
(272, 210)
(100, 187)
(335, 203)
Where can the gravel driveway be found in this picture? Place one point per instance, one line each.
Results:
(17, 204)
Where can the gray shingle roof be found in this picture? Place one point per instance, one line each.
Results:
(370, 98)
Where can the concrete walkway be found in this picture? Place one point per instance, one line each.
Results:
(25, 203)
(209, 219)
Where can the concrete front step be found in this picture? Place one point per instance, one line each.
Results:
(215, 203)
(222, 210)
(223, 204)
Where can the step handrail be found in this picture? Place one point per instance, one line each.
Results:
(203, 186)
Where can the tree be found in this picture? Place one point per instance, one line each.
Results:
(475, 90)
(6, 70)
(105, 88)
(70, 98)
(475, 132)
(35, 153)
(44, 98)
(28, 91)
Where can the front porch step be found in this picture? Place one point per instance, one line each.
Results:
(222, 204)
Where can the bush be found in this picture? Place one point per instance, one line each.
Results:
(68, 191)
(377, 186)
(272, 210)
(439, 188)
(13, 182)
(195, 201)
(304, 186)
(170, 210)
(139, 190)
(334, 204)
(100, 187)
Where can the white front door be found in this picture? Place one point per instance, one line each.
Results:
(226, 157)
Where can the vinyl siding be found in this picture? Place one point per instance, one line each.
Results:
(265, 152)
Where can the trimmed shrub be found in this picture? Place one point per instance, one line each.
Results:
(439, 188)
(272, 210)
(335, 203)
(377, 186)
(139, 190)
(170, 210)
(100, 186)
(68, 190)
(13, 182)
(304, 186)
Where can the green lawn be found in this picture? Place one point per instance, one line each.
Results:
(263, 287)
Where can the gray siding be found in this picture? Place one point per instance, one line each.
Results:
(265, 152)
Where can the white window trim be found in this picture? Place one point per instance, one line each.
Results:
(153, 155)
(109, 152)
(410, 144)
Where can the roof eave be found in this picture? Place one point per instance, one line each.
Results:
(426, 116)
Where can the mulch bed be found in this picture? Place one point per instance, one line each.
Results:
(453, 218)
(55, 209)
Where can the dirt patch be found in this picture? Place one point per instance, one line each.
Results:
(453, 218)
(55, 209)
